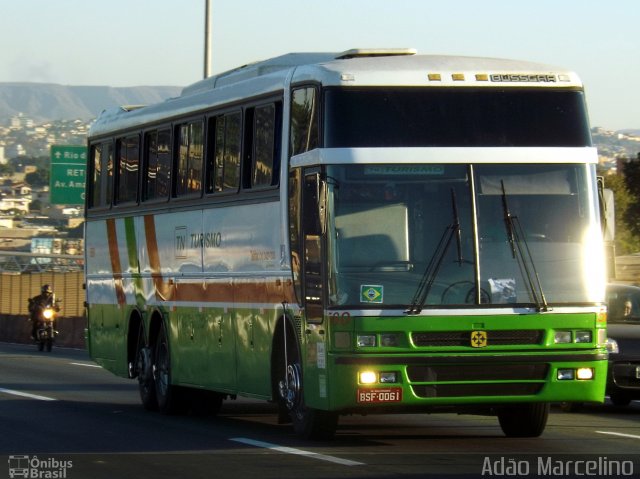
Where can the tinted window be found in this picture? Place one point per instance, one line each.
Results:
(304, 120)
(264, 143)
(95, 185)
(223, 172)
(158, 164)
(128, 165)
(190, 153)
(454, 117)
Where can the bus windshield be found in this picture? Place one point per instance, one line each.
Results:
(466, 117)
(393, 228)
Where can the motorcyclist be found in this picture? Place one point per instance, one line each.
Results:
(37, 304)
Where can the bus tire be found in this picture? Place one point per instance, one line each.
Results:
(146, 382)
(167, 395)
(620, 399)
(316, 424)
(524, 420)
(309, 423)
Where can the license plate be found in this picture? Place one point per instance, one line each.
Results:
(379, 395)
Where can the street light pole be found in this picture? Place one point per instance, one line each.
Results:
(207, 38)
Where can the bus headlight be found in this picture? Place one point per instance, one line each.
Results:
(583, 337)
(366, 340)
(388, 377)
(566, 374)
(562, 337)
(389, 340)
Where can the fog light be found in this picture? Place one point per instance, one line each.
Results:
(584, 373)
(366, 341)
(368, 377)
(388, 377)
(566, 374)
(562, 337)
(583, 337)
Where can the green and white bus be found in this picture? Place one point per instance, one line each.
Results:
(373, 231)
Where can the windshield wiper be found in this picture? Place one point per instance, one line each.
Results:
(521, 253)
(431, 272)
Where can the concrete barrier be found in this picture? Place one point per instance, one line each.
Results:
(17, 329)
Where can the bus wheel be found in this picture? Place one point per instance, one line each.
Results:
(146, 383)
(167, 395)
(312, 423)
(308, 423)
(524, 420)
(620, 399)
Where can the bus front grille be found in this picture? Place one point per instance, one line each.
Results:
(477, 372)
(465, 390)
(504, 337)
(442, 378)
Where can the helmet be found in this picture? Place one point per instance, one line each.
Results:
(46, 289)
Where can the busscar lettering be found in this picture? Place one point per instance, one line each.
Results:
(262, 255)
(516, 78)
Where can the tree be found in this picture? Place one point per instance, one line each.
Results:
(40, 177)
(631, 173)
(626, 241)
(626, 191)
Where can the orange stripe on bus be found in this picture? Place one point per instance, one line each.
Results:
(222, 291)
(114, 256)
(164, 289)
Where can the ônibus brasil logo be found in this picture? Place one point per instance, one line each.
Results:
(33, 467)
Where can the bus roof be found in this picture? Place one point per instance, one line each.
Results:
(357, 67)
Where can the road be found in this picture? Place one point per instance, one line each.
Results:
(63, 415)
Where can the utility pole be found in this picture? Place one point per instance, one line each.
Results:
(208, 23)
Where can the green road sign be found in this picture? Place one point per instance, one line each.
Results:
(68, 174)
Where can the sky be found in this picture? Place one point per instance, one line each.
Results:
(161, 42)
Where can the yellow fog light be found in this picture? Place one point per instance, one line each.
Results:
(368, 377)
(584, 373)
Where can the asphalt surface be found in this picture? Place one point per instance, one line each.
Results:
(62, 416)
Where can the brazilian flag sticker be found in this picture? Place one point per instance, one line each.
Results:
(370, 293)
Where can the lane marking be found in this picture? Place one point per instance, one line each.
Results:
(618, 434)
(87, 365)
(299, 452)
(26, 395)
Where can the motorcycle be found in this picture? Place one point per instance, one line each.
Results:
(45, 334)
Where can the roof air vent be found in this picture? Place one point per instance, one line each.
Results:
(375, 52)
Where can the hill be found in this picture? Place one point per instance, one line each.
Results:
(47, 101)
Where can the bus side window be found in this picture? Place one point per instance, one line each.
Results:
(157, 164)
(304, 132)
(223, 156)
(266, 167)
(128, 150)
(190, 158)
(97, 174)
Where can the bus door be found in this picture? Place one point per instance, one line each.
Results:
(313, 287)
(312, 247)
